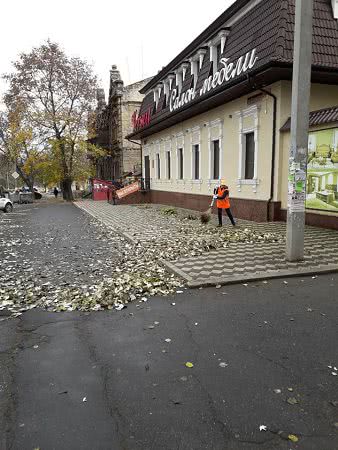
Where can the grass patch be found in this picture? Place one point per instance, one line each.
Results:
(169, 211)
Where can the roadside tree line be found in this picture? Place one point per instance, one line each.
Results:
(45, 122)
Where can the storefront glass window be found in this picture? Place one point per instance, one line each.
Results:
(249, 156)
(196, 162)
(158, 165)
(219, 52)
(215, 156)
(180, 163)
(168, 166)
(322, 170)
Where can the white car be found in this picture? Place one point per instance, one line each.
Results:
(6, 205)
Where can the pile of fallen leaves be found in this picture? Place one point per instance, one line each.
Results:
(139, 273)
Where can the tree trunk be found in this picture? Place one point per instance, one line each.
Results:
(27, 179)
(66, 186)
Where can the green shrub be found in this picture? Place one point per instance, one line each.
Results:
(169, 211)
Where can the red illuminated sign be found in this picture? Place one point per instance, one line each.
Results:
(140, 121)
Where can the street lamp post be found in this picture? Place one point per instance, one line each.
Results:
(301, 86)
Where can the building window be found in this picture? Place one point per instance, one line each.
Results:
(180, 163)
(196, 162)
(249, 156)
(158, 164)
(215, 160)
(179, 81)
(168, 165)
(219, 52)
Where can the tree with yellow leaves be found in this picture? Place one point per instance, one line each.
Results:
(18, 144)
(58, 94)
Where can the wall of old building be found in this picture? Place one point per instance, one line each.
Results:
(113, 124)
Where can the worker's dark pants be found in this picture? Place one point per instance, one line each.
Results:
(227, 210)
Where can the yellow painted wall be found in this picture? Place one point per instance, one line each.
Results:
(229, 148)
(322, 96)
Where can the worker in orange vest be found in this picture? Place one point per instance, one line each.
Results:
(221, 194)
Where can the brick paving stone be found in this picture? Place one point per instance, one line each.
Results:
(239, 258)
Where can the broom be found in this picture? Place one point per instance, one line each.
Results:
(206, 216)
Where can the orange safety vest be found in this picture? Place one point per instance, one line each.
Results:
(224, 204)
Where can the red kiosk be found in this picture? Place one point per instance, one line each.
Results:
(101, 189)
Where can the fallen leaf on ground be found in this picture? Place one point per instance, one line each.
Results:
(293, 438)
(292, 401)
(119, 307)
(189, 365)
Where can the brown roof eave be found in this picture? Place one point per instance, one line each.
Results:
(264, 76)
(199, 102)
(196, 43)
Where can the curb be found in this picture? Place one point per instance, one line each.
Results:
(260, 276)
(171, 267)
(125, 235)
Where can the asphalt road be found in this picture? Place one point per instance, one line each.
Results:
(109, 380)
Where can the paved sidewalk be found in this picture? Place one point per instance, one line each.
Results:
(238, 262)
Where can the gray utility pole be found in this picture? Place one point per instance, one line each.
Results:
(301, 86)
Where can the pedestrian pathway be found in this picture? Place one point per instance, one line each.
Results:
(238, 262)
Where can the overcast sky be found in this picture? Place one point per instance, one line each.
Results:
(138, 36)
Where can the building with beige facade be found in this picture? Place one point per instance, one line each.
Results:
(221, 109)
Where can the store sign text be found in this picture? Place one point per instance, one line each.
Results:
(140, 121)
(228, 72)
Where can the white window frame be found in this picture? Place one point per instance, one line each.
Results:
(249, 112)
(218, 124)
(219, 39)
(195, 139)
(196, 63)
(167, 149)
(335, 8)
(180, 75)
(212, 159)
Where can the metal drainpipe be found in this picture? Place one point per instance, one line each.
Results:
(273, 156)
(274, 135)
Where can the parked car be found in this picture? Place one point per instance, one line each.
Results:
(6, 205)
